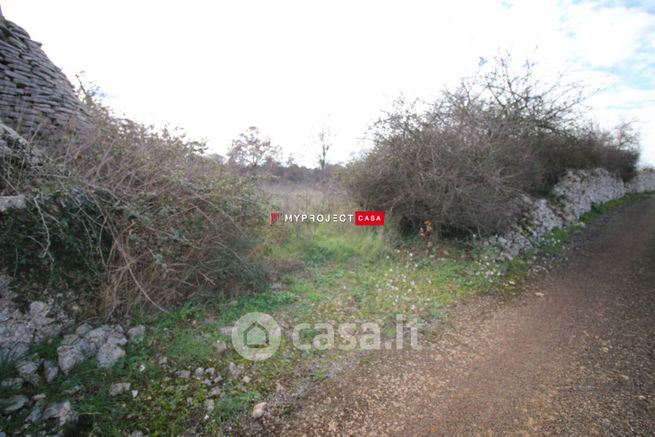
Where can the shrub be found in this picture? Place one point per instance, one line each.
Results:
(146, 216)
(56, 239)
(465, 160)
(589, 146)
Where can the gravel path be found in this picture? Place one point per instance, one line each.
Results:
(572, 355)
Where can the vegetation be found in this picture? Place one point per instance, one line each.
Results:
(141, 219)
(138, 214)
(462, 162)
(250, 151)
(350, 274)
(325, 142)
(253, 155)
(600, 209)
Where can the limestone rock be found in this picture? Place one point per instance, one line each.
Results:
(50, 371)
(137, 333)
(259, 410)
(11, 202)
(61, 411)
(235, 370)
(39, 313)
(16, 332)
(183, 374)
(14, 403)
(36, 414)
(37, 96)
(106, 334)
(118, 388)
(12, 383)
(83, 329)
(108, 354)
(69, 356)
(27, 370)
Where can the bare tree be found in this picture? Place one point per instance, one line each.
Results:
(464, 162)
(325, 142)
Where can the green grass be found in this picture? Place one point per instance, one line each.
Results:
(599, 209)
(47, 349)
(318, 245)
(555, 240)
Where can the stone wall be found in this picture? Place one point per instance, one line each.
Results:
(577, 191)
(18, 162)
(574, 195)
(36, 98)
(644, 181)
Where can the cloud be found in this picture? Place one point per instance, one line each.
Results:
(289, 67)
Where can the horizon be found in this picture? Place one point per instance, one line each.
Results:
(292, 69)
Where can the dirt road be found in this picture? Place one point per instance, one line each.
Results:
(573, 355)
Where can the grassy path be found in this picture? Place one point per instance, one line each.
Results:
(572, 356)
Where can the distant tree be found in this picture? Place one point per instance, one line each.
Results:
(251, 150)
(325, 142)
(290, 161)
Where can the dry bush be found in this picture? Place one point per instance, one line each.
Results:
(172, 221)
(463, 162)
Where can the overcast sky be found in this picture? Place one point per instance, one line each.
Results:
(215, 68)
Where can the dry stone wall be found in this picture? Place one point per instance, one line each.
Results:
(644, 181)
(579, 190)
(36, 98)
(574, 195)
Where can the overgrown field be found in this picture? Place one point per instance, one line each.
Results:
(143, 228)
(127, 216)
(332, 273)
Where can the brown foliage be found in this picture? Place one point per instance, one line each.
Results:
(177, 221)
(463, 162)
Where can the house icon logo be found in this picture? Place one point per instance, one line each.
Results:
(256, 336)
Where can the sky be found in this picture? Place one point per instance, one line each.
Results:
(293, 68)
